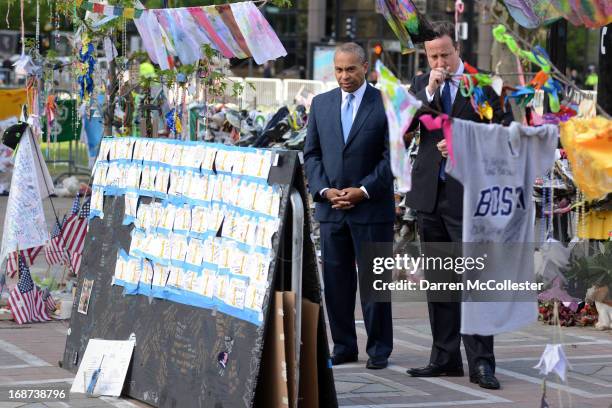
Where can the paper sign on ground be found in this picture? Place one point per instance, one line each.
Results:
(112, 357)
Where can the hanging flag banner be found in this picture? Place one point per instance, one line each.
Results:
(533, 13)
(400, 107)
(406, 22)
(238, 30)
(112, 11)
(24, 224)
(260, 38)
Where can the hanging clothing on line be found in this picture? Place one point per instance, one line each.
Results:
(588, 144)
(596, 225)
(497, 166)
(238, 30)
(400, 108)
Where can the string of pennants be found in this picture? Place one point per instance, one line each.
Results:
(117, 11)
(237, 30)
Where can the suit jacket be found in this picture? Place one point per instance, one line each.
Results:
(362, 161)
(426, 167)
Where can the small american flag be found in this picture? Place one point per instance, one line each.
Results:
(55, 251)
(12, 265)
(26, 300)
(74, 232)
(76, 204)
(85, 209)
(75, 262)
(49, 301)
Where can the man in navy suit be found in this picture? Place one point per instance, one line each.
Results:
(347, 165)
(438, 199)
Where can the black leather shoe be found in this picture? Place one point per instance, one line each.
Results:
(377, 364)
(433, 370)
(340, 359)
(484, 377)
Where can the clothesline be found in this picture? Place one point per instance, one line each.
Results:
(135, 12)
(501, 74)
(429, 109)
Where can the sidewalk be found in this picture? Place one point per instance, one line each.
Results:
(589, 381)
(29, 356)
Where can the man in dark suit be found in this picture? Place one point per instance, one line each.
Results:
(438, 199)
(346, 156)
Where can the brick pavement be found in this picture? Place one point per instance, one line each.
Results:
(589, 380)
(29, 355)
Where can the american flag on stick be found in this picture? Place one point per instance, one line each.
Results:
(26, 301)
(12, 264)
(49, 301)
(55, 251)
(74, 232)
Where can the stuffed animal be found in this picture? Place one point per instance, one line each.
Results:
(601, 296)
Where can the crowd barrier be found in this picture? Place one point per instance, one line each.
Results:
(273, 92)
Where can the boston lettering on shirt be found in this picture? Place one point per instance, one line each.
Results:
(500, 200)
(497, 166)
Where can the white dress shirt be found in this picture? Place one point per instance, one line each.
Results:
(358, 96)
(454, 84)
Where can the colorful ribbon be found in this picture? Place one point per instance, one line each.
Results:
(538, 56)
(524, 94)
(471, 86)
(173, 121)
(443, 122)
(565, 113)
(86, 66)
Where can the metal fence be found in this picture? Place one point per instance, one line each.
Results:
(262, 92)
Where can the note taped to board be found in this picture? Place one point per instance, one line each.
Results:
(110, 359)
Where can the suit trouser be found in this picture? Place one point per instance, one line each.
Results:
(443, 225)
(340, 243)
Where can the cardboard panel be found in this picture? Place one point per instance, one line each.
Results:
(290, 356)
(309, 383)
